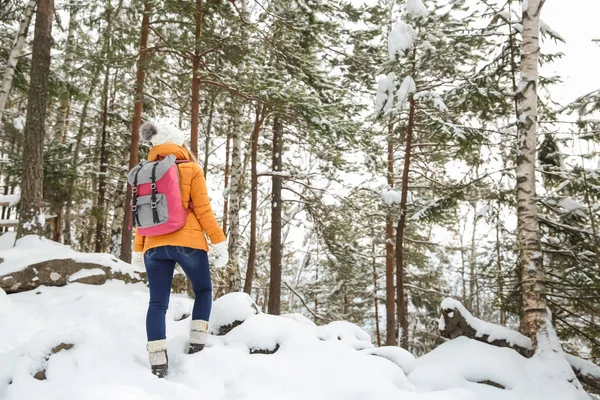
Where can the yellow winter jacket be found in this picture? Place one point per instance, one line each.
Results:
(199, 222)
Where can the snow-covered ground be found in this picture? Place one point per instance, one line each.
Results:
(109, 361)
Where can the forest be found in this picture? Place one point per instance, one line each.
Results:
(366, 159)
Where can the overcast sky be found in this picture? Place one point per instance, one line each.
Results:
(577, 22)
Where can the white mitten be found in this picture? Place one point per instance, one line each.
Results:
(221, 254)
(137, 260)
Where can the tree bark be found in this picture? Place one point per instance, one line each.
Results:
(31, 221)
(390, 334)
(276, 251)
(400, 263)
(528, 230)
(473, 285)
(199, 16)
(15, 53)
(82, 123)
(225, 201)
(375, 289)
(102, 178)
(260, 117)
(62, 114)
(209, 125)
(135, 126)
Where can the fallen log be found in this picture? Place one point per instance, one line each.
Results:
(458, 321)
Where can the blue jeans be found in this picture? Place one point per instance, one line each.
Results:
(160, 265)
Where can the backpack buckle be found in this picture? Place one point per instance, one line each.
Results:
(134, 189)
(153, 186)
(153, 204)
(133, 208)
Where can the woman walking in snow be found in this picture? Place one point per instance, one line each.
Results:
(153, 215)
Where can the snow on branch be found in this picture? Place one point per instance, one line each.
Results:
(401, 39)
(457, 321)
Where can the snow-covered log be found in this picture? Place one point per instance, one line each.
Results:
(587, 372)
(457, 321)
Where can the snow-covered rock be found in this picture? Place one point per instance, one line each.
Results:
(230, 311)
(35, 261)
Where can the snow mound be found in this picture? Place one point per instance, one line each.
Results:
(402, 358)
(229, 310)
(105, 325)
(465, 363)
(33, 249)
(299, 318)
(345, 332)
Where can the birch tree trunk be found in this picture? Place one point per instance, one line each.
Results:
(15, 53)
(31, 220)
(275, 274)
(234, 244)
(528, 230)
(237, 172)
(135, 126)
(390, 298)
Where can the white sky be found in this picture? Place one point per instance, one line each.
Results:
(577, 22)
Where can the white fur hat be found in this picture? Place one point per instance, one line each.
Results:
(159, 134)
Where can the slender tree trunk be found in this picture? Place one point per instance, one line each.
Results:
(82, 123)
(234, 202)
(62, 114)
(225, 201)
(275, 278)
(390, 300)
(135, 126)
(260, 117)
(499, 275)
(528, 230)
(31, 221)
(208, 133)
(473, 293)
(15, 53)
(102, 178)
(199, 16)
(400, 263)
(375, 295)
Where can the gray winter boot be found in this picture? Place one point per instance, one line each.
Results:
(198, 335)
(159, 361)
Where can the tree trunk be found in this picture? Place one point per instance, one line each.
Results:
(15, 53)
(260, 116)
(390, 300)
(275, 278)
(199, 16)
(473, 292)
(102, 178)
(31, 220)
(82, 123)
(528, 230)
(225, 201)
(375, 289)
(62, 114)
(135, 126)
(400, 263)
(499, 275)
(234, 201)
(208, 133)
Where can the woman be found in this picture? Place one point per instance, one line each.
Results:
(187, 247)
